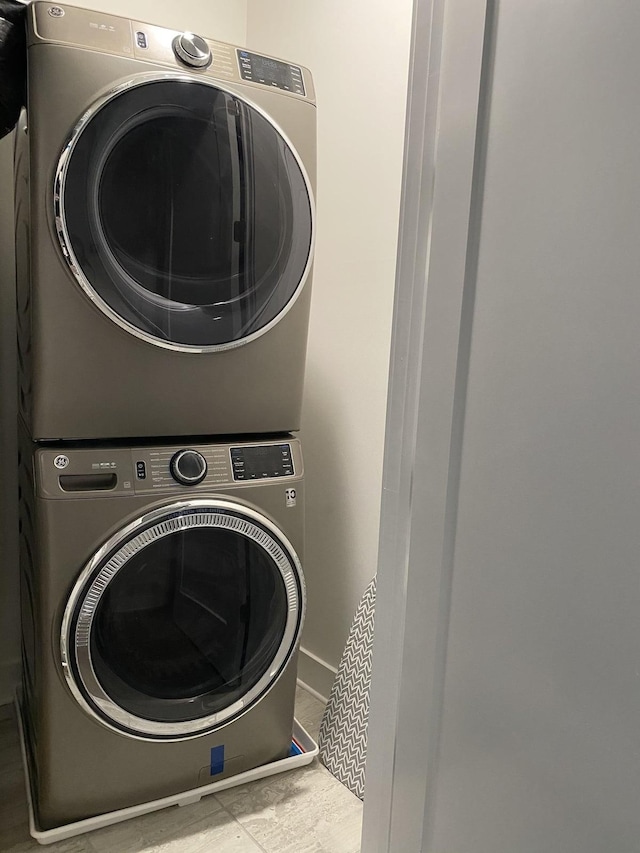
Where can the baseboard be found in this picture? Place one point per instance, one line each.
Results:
(315, 674)
(9, 680)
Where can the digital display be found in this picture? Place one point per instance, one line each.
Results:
(270, 72)
(261, 462)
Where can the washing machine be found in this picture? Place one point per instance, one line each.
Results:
(162, 598)
(164, 232)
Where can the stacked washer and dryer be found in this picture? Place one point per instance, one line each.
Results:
(164, 234)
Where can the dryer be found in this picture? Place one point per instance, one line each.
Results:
(165, 231)
(163, 599)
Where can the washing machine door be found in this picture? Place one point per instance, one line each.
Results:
(183, 620)
(184, 213)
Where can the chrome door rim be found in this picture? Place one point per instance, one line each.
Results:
(65, 241)
(75, 648)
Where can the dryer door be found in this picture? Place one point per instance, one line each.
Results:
(184, 213)
(183, 620)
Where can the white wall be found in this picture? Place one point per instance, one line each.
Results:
(358, 54)
(222, 19)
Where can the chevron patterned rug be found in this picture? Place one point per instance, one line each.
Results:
(343, 732)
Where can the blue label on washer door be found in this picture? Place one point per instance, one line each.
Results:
(217, 760)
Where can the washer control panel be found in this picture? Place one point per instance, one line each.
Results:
(113, 470)
(188, 467)
(262, 461)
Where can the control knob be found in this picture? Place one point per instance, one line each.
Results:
(192, 50)
(188, 467)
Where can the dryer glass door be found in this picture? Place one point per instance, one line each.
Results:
(184, 621)
(185, 214)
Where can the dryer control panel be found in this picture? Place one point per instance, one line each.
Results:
(190, 52)
(114, 470)
(270, 72)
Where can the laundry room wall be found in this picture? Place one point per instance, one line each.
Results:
(222, 19)
(358, 53)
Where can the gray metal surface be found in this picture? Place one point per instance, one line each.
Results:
(82, 375)
(83, 767)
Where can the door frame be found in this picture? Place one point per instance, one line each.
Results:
(449, 77)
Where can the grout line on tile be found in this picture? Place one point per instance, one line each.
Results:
(246, 832)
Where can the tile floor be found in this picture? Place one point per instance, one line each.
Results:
(300, 811)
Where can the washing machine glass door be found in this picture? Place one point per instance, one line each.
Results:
(185, 214)
(183, 620)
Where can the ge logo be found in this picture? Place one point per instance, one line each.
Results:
(55, 11)
(61, 461)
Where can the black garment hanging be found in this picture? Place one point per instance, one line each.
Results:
(13, 63)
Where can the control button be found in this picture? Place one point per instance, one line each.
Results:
(188, 467)
(192, 50)
(141, 39)
(141, 470)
